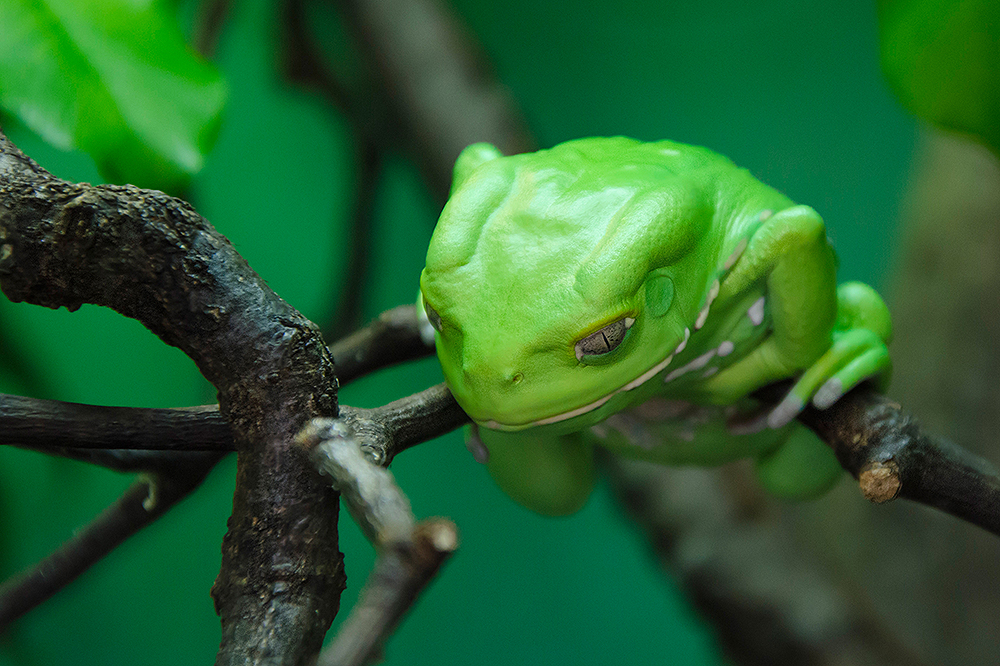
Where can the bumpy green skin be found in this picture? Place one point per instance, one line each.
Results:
(630, 295)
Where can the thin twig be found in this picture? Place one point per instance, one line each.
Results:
(378, 505)
(75, 431)
(394, 337)
(208, 26)
(50, 425)
(305, 65)
(347, 316)
(438, 82)
(143, 502)
(125, 460)
(385, 431)
(130, 438)
(400, 574)
(409, 555)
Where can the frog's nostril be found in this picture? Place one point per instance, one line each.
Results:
(516, 378)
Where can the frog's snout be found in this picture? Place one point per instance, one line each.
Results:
(491, 378)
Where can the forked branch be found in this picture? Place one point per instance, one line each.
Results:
(153, 258)
(409, 554)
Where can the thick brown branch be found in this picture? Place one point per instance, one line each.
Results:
(884, 448)
(152, 258)
(146, 500)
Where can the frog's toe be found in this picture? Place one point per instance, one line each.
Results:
(872, 363)
(860, 307)
(474, 443)
(828, 393)
(786, 410)
(854, 356)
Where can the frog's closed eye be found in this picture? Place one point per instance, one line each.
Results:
(605, 340)
(432, 316)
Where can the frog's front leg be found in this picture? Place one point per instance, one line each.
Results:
(859, 351)
(552, 475)
(836, 336)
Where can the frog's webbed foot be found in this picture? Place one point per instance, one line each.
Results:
(859, 351)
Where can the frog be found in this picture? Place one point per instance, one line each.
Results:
(610, 293)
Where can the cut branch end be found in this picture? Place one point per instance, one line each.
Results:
(880, 482)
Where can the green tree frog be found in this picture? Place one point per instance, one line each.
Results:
(610, 292)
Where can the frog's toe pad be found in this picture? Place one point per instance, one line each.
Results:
(828, 393)
(786, 410)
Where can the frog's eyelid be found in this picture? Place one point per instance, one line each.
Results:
(432, 316)
(604, 340)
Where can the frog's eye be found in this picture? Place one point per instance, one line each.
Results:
(432, 316)
(605, 340)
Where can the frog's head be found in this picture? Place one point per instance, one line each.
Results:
(561, 282)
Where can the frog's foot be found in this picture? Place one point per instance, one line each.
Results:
(859, 352)
(474, 443)
(802, 467)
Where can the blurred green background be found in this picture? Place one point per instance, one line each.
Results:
(790, 90)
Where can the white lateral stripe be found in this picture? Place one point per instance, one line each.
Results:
(742, 245)
(694, 364)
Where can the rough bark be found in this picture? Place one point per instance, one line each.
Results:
(153, 258)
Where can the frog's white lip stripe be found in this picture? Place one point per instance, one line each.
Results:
(635, 383)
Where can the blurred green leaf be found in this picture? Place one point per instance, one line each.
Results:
(115, 79)
(942, 59)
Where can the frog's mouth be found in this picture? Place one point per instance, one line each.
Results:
(600, 402)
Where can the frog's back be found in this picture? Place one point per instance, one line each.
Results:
(584, 197)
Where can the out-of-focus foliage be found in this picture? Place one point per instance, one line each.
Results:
(114, 78)
(942, 58)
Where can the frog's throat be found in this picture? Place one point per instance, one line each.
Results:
(635, 383)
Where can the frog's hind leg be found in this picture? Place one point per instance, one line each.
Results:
(552, 475)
